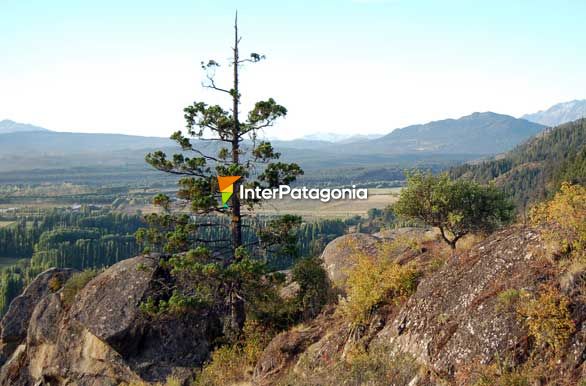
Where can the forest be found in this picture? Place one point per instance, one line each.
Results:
(535, 169)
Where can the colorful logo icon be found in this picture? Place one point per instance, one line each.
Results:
(226, 184)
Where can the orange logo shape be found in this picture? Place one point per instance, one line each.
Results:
(226, 184)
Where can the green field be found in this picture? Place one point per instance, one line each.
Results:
(5, 223)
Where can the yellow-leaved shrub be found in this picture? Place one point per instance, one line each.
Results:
(547, 317)
(566, 213)
(373, 282)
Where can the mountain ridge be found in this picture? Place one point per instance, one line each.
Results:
(10, 126)
(478, 133)
(534, 169)
(559, 113)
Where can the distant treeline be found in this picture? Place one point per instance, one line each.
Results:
(90, 238)
(62, 238)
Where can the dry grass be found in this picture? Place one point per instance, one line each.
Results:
(377, 198)
(171, 381)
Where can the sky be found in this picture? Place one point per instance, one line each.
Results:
(342, 66)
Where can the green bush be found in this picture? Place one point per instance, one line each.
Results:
(314, 289)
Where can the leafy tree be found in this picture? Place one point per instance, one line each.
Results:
(456, 207)
(227, 145)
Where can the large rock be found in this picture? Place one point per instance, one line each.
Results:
(454, 319)
(14, 324)
(104, 338)
(339, 256)
(285, 349)
(108, 306)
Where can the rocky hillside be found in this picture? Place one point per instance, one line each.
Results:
(462, 323)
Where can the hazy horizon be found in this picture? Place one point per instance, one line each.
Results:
(351, 67)
(308, 135)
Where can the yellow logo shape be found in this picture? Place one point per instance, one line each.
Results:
(226, 184)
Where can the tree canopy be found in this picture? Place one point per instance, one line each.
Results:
(456, 207)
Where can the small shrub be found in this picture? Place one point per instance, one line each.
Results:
(435, 264)
(172, 381)
(566, 216)
(142, 267)
(377, 366)
(507, 299)
(234, 363)
(55, 284)
(257, 338)
(314, 289)
(371, 283)
(76, 283)
(548, 318)
(227, 366)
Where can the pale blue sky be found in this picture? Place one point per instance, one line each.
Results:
(352, 66)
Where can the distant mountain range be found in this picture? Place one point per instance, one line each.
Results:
(57, 143)
(475, 134)
(560, 113)
(8, 126)
(479, 135)
(340, 138)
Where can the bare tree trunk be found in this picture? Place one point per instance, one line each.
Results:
(237, 315)
(236, 223)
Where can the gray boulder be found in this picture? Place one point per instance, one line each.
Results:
(108, 306)
(104, 338)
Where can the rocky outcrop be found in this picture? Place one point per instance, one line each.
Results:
(339, 256)
(13, 326)
(285, 349)
(455, 317)
(103, 338)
